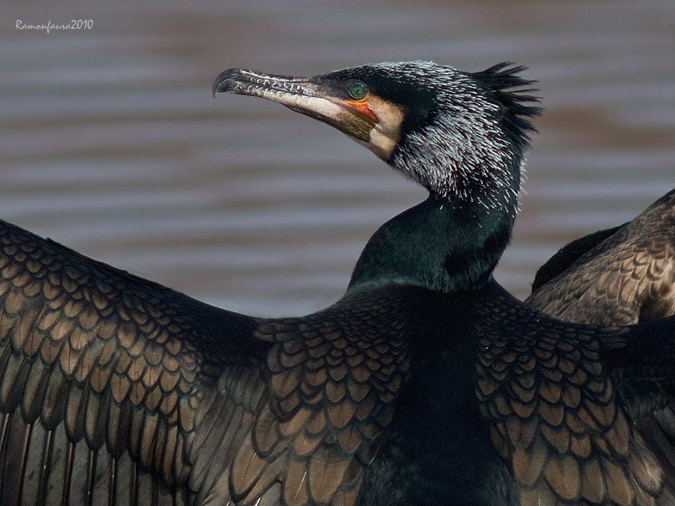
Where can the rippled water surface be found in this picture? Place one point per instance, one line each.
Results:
(111, 142)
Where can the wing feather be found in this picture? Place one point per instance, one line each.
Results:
(115, 389)
(560, 423)
(101, 375)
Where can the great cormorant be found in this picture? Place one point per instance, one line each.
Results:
(426, 383)
(617, 276)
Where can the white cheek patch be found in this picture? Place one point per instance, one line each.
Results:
(386, 134)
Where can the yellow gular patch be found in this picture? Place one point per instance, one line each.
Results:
(386, 133)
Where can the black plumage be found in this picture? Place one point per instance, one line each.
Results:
(619, 276)
(426, 383)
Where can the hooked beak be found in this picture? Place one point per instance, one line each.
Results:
(308, 96)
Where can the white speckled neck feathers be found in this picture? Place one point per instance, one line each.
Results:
(463, 136)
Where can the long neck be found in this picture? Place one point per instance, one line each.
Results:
(435, 245)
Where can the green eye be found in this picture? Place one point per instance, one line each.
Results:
(358, 90)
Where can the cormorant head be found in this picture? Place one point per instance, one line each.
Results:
(461, 135)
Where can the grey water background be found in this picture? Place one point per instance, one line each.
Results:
(111, 143)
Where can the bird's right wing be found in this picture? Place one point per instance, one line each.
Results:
(642, 361)
(553, 393)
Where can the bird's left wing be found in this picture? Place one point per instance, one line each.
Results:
(117, 390)
(105, 378)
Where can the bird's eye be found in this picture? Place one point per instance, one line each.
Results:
(358, 90)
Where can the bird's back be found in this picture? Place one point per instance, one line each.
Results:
(628, 277)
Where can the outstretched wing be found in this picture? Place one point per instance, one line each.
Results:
(558, 416)
(101, 376)
(642, 362)
(117, 390)
(628, 277)
(334, 380)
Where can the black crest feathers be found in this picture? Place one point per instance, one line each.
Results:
(514, 95)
